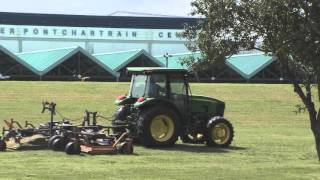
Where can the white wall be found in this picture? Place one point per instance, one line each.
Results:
(161, 49)
(101, 47)
(94, 47)
(42, 45)
(11, 45)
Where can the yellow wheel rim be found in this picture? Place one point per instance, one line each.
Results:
(162, 128)
(220, 133)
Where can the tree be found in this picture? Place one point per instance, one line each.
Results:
(286, 29)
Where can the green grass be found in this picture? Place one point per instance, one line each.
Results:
(271, 141)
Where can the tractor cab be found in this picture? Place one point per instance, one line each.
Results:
(160, 84)
(159, 108)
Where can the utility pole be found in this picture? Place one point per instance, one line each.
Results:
(167, 58)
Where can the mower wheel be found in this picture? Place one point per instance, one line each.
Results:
(219, 132)
(51, 139)
(72, 148)
(125, 148)
(158, 126)
(3, 145)
(58, 144)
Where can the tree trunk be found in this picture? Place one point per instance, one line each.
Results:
(315, 127)
(319, 91)
(317, 139)
(306, 98)
(314, 117)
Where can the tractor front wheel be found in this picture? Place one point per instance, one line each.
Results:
(219, 132)
(158, 126)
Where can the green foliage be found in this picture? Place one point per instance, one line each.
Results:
(287, 29)
(264, 146)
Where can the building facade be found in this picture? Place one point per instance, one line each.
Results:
(100, 48)
(22, 32)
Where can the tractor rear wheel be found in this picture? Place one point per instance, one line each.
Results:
(72, 148)
(158, 126)
(219, 132)
(3, 145)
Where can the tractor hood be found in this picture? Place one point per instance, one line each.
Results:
(208, 105)
(124, 100)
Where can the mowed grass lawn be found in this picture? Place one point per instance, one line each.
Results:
(271, 141)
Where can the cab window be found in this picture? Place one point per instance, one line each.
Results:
(157, 85)
(177, 84)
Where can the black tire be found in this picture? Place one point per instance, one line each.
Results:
(72, 148)
(125, 148)
(227, 132)
(186, 138)
(144, 126)
(3, 145)
(58, 144)
(120, 114)
(51, 139)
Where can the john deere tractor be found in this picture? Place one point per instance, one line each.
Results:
(160, 108)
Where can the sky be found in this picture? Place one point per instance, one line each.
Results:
(97, 7)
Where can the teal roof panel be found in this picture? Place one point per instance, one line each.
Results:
(45, 60)
(94, 59)
(19, 60)
(248, 65)
(118, 60)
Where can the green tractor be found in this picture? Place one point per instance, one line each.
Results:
(160, 108)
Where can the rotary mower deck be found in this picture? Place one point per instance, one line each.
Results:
(91, 138)
(99, 143)
(17, 135)
(63, 135)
